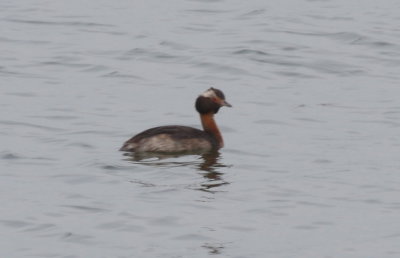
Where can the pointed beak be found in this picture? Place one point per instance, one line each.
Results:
(226, 104)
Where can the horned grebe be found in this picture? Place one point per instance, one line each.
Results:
(176, 138)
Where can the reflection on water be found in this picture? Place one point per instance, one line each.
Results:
(213, 249)
(209, 165)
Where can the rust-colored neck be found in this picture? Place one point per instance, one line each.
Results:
(209, 126)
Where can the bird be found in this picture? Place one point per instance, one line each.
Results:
(182, 139)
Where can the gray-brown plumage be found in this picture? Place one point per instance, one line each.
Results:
(175, 138)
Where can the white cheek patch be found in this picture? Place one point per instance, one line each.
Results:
(209, 94)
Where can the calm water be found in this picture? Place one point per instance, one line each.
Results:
(310, 167)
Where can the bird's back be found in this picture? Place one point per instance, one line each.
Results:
(173, 138)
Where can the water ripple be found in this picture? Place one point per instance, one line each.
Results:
(25, 41)
(25, 124)
(15, 223)
(11, 156)
(85, 208)
(251, 52)
(62, 23)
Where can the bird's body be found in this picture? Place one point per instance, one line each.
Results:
(178, 139)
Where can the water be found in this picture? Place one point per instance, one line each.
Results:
(310, 167)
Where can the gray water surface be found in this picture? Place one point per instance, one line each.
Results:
(310, 167)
